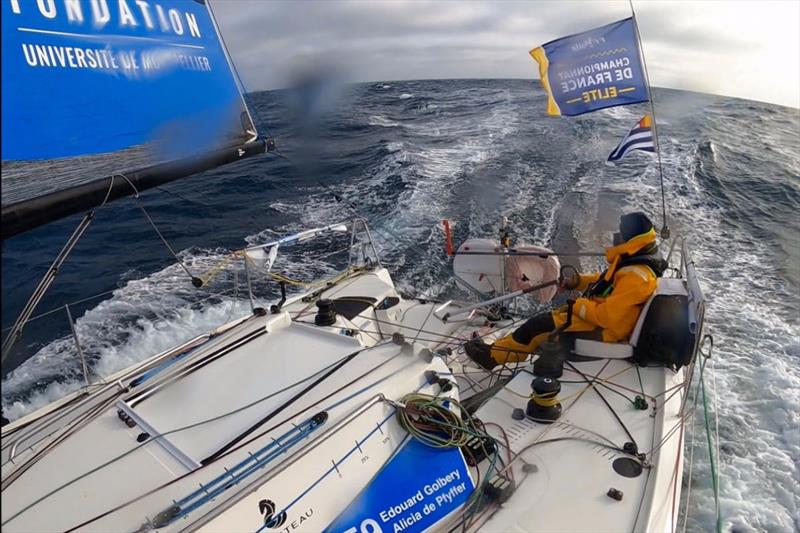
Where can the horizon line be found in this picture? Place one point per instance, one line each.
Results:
(525, 79)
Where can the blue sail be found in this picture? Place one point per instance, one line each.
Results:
(93, 88)
(89, 77)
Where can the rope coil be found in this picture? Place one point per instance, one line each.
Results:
(432, 421)
(549, 399)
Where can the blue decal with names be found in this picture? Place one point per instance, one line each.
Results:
(418, 487)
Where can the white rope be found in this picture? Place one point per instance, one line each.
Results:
(691, 467)
(111, 187)
(135, 190)
(108, 192)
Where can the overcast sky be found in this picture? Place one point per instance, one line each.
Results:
(748, 49)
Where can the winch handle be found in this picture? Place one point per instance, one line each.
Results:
(558, 331)
(568, 272)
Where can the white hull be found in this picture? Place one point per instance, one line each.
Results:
(78, 464)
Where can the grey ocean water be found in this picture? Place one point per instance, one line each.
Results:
(407, 155)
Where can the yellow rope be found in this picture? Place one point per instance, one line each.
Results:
(545, 401)
(296, 282)
(309, 284)
(218, 267)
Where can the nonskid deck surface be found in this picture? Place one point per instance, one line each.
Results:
(565, 470)
(252, 391)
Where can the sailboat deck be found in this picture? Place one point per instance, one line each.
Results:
(564, 471)
(246, 396)
(240, 378)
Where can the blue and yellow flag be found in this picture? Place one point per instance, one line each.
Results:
(592, 70)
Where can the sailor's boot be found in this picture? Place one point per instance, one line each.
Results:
(503, 351)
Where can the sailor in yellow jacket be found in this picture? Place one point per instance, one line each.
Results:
(610, 302)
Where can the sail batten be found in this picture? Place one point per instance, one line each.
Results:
(97, 89)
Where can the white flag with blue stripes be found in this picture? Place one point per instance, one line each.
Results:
(639, 138)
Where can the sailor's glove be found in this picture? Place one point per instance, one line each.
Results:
(568, 279)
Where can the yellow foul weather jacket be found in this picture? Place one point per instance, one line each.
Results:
(617, 308)
(613, 302)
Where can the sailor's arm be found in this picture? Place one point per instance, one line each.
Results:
(586, 279)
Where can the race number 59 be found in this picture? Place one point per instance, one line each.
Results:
(367, 526)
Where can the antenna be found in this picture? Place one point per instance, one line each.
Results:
(665, 227)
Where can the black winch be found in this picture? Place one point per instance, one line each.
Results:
(326, 314)
(544, 406)
(550, 362)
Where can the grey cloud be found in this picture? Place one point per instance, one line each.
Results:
(271, 40)
(674, 25)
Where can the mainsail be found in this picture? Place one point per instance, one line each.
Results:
(102, 99)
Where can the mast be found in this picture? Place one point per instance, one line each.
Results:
(665, 227)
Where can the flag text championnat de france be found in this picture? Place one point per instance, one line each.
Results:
(599, 73)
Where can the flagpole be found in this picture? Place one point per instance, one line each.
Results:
(665, 228)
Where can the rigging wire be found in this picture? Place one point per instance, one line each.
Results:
(248, 104)
(691, 467)
(61, 307)
(44, 284)
(613, 411)
(197, 282)
(49, 277)
(257, 223)
(709, 437)
(162, 320)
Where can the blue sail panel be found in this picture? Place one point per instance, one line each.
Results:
(148, 80)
